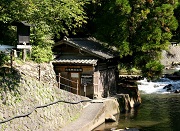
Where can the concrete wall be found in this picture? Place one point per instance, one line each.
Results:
(94, 114)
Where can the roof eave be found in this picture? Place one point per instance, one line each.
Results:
(70, 43)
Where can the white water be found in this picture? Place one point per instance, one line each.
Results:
(157, 87)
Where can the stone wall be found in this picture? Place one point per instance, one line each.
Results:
(43, 72)
(21, 91)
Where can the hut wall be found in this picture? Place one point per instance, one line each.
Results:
(108, 80)
(108, 77)
(84, 78)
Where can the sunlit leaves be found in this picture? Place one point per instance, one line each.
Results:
(41, 54)
(124, 49)
(123, 6)
(152, 70)
(60, 15)
(49, 18)
(140, 29)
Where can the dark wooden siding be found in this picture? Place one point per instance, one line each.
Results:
(109, 81)
(86, 71)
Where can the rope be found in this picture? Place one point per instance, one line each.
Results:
(66, 79)
(46, 105)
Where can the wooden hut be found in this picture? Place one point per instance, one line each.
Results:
(90, 66)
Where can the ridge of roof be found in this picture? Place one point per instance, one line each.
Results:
(92, 45)
(85, 39)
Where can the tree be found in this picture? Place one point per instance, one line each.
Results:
(152, 34)
(10, 10)
(176, 34)
(49, 17)
(140, 29)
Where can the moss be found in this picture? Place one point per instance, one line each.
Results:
(75, 117)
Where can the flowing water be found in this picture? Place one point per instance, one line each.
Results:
(159, 111)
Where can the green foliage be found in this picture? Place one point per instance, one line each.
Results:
(61, 16)
(139, 29)
(41, 54)
(176, 33)
(49, 17)
(42, 43)
(152, 70)
(111, 23)
(3, 58)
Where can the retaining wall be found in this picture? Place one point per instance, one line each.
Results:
(21, 92)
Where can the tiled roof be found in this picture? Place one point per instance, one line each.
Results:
(76, 61)
(91, 45)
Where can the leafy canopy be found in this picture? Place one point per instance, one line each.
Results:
(140, 29)
(49, 17)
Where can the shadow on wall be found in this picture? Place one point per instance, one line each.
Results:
(108, 79)
(9, 81)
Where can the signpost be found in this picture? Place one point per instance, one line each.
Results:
(28, 47)
(23, 35)
(85, 80)
(24, 47)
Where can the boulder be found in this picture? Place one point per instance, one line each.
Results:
(168, 87)
(110, 118)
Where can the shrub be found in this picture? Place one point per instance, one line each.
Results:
(3, 58)
(152, 70)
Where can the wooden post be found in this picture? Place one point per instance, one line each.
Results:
(11, 59)
(39, 72)
(85, 85)
(59, 80)
(24, 55)
(77, 87)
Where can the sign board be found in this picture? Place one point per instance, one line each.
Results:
(24, 47)
(86, 79)
(73, 69)
(75, 75)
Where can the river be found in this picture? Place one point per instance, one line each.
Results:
(159, 111)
